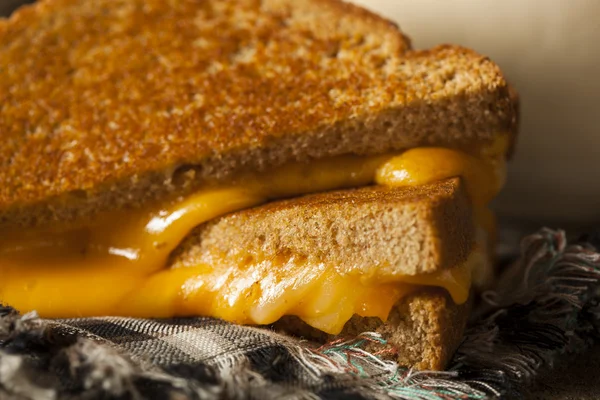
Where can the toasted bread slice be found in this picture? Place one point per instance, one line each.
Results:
(105, 102)
(407, 231)
(422, 331)
(368, 231)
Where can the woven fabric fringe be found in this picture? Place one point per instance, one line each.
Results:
(545, 305)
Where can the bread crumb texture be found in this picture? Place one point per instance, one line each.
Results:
(101, 101)
(423, 330)
(371, 231)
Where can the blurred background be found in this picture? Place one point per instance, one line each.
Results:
(550, 51)
(6, 6)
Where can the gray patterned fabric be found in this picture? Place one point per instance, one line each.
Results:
(546, 304)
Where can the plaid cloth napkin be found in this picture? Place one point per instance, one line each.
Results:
(546, 304)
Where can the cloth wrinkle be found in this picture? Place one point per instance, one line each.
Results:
(546, 303)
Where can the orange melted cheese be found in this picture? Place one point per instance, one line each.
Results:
(116, 265)
(317, 294)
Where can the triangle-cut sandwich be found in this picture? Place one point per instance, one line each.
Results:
(278, 162)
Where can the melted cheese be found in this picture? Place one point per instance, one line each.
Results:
(116, 265)
(420, 166)
(264, 291)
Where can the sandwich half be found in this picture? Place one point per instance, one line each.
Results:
(338, 264)
(156, 156)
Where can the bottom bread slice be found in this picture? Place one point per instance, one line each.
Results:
(376, 232)
(422, 331)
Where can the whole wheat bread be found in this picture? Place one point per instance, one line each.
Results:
(422, 331)
(106, 103)
(372, 230)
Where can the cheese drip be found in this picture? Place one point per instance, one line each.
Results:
(116, 265)
(263, 291)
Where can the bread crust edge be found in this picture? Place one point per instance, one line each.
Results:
(423, 330)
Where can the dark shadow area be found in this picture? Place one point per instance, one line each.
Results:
(575, 378)
(8, 6)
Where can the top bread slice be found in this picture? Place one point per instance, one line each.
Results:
(105, 103)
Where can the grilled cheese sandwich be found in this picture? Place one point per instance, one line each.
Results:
(66, 271)
(145, 148)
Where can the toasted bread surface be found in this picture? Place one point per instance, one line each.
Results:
(104, 102)
(422, 331)
(372, 230)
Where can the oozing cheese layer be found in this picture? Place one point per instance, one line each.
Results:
(116, 265)
(264, 291)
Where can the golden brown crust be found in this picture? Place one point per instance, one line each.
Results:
(423, 329)
(374, 230)
(102, 101)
